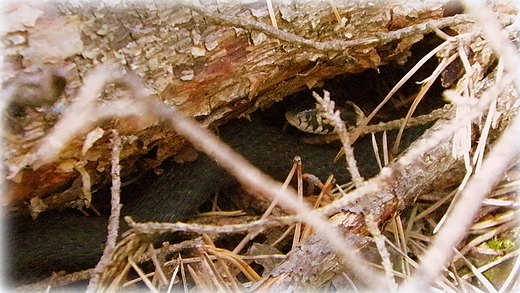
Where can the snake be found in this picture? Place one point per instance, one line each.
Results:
(71, 241)
(316, 122)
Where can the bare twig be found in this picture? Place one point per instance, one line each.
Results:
(326, 105)
(336, 45)
(158, 265)
(113, 220)
(143, 276)
(420, 148)
(242, 257)
(308, 230)
(496, 37)
(401, 82)
(442, 113)
(376, 150)
(172, 279)
(84, 112)
(165, 250)
(152, 227)
(379, 239)
(298, 226)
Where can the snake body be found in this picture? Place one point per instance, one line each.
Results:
(71, 241)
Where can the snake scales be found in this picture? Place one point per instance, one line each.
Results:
(71, 241)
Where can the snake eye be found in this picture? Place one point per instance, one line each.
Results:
(313, 121)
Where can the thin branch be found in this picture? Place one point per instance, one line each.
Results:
(83, 113)
(170, 249)
(379, 239)
(143, 276)
(113, 220)
(151, 228)
(336, 45)
(505, 152)
(441, 113)
(298, 226)
(326, 105)
(297, 163)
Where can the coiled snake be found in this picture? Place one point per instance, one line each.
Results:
(59, 241)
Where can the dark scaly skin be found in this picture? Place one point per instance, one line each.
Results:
(71, 241)
(265, 147)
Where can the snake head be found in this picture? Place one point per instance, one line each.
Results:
(313, 121)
